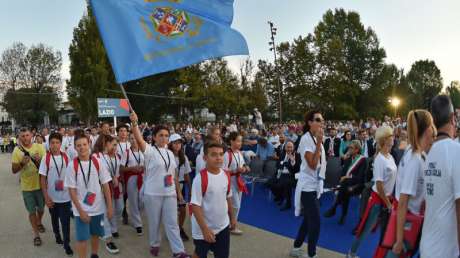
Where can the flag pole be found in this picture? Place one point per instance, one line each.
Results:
(126, 97)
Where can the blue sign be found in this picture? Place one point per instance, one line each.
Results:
(112, 107)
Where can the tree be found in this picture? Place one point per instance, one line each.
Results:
(11, 66)
(453, 90)
(349, 59)
(425, 81)
(34, 79)
(90, 72)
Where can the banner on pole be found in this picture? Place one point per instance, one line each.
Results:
(146, 37)
(112, 107)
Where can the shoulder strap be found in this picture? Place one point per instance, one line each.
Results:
(75, 168)
(65, 157)
(47, 162)
(96, 163)
(204, 181)
(229, 182)
(127, 157)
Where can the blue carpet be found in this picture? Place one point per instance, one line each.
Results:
(262, 213)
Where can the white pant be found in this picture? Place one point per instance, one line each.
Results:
(133, 199)
(111, 226)
(163, 208)
(236, 199)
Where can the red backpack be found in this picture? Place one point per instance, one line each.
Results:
(48, 160)
(204, 184)
(204, 181)
(95, 162)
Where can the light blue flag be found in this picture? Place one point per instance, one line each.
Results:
(146, 37)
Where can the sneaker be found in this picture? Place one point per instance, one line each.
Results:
(296, 252)
(181, 255)
(94, 256)
(183, 235)
(139, 231)
(236, 231)
(68, 251)
(59, 240)
(154, 250)
(112, 248)
(115, 235)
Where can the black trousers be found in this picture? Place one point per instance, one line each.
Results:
(221, 248)
(282, 188)
(310, 224)
(61, 212)
(347, 189)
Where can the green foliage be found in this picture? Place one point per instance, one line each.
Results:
(425, 81)
(32, 78)
(453, 90)
(90, 71)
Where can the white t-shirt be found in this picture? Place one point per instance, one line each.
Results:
(410, 180)
(237, 162)
(213, 203)
(200, 163)
(92, 185)
(156, 172)
(54, 176)
(310, 177)
(121, 149)
(442, 182)
(183, 169)
(93, 139)
(112, 164)
(384, 171)
(72, 153)
(135, 158)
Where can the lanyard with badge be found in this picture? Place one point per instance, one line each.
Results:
(320, 156)
(237, 159)
(121, 148)
(112, 168)
(90, 196)
(58, 183)
(138, 160)
(168, 179)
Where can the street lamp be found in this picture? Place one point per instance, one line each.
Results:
(395, 102)
(272, 45)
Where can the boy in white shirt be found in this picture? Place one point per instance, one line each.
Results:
(83, 179)
(52, 173)
(212, 208)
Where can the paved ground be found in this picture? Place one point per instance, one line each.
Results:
(16, 236)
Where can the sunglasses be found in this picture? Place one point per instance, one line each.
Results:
(319, 120)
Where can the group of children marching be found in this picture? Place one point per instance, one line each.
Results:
(95, 184)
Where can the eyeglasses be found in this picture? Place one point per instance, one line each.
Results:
(319, 120)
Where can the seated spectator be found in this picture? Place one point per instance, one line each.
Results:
(250, 142)
(344, 145)
(265, 150)
(274, 138)
(352, 180)
(282, 144)
(283, 182)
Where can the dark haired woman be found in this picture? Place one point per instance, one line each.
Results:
(312, 172)
(183, 171)
(160, 190)
(234, 162)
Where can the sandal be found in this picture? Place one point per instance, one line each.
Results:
(41, 228)
(37, 241)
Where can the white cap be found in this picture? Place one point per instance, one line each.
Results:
(175, 137)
